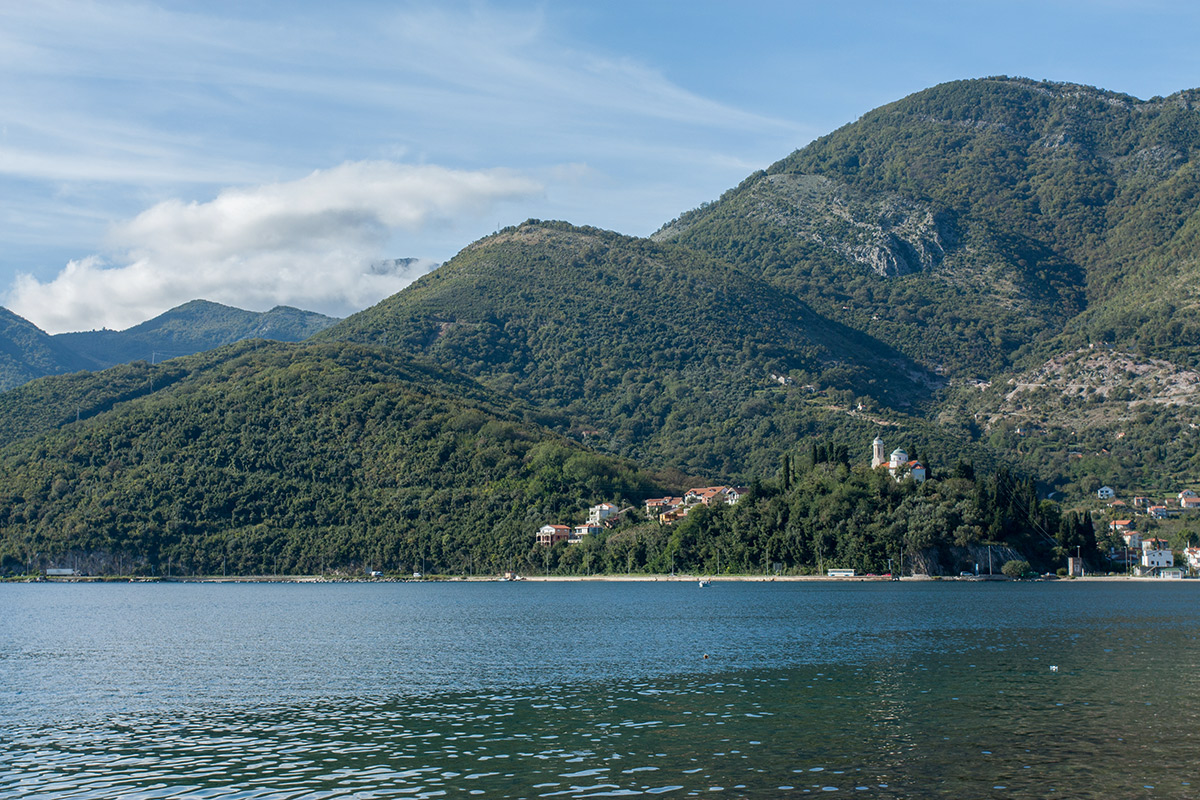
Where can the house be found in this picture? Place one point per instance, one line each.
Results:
(1105, 493)
(1141, 502)
(1157, 512)
(580, 531)
(673, 516)
(1156, 554)
(659, 505)
(735, 493)
(597, 514)
(1186, 493)
(704, 495)
(1192, 556)
(916, 471)
(1133, 539)
(550, 535)
(1189, 502)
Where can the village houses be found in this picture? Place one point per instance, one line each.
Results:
(599, 517)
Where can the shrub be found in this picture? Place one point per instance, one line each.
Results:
(1016, 569)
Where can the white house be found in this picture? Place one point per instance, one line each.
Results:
(597, 514)
(1105, 493)
(580, 531)
(1156, 554)
(735, 493)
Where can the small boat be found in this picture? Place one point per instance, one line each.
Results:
(704, 582)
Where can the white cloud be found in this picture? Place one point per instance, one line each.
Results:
(308, 243)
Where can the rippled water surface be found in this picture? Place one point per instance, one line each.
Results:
(1063, 689)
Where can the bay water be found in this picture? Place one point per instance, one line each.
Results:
(600, 689)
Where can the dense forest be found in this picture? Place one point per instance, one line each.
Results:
(298, 458)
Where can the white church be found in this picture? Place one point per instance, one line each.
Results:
(897, 463)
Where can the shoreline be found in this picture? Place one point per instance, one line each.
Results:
(628, 578)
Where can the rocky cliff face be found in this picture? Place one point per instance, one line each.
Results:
(889, 234)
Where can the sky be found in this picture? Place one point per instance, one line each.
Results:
(258, 153)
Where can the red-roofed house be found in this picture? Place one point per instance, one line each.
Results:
(549, 535)
(580, 531)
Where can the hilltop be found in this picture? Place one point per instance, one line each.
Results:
(975, 222)
(653, 351)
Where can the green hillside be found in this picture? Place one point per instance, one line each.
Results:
(999, 274)
(268, 458)
(657, 352)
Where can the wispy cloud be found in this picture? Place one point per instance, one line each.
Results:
(309, 243)
(139, 113)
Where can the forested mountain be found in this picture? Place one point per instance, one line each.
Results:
(657, 352)
(265, 457)
(27, 352)
(192, 328)
(1000, 274)
(970, 220)
(995, 230)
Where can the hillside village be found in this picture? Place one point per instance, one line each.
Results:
(665, 510)
(669, 510)
(1146, 554)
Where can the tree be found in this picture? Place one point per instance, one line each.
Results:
(1016, 569)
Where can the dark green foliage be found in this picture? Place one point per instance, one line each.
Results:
(1016, 568)
(833, 514)
(264, 458)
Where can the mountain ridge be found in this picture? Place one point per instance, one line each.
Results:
(192, 327)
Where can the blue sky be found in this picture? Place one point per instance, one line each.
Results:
(256, 153)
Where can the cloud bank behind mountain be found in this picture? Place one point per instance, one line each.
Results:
(309, 243)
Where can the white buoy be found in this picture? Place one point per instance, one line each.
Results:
(1054, 668)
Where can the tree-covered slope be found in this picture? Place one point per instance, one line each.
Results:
(969, 220)
(294, 458)
(654, 351)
